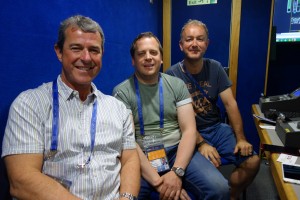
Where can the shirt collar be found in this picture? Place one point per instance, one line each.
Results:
(67, 93)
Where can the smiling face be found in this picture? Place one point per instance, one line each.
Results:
(81, 58)
(194, 42)
(147, 60)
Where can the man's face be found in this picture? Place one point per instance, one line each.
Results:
(194, 42)
(81, 57)
(147, 60)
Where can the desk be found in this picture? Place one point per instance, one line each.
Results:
(286, 191)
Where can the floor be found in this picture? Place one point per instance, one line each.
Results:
(263, 186)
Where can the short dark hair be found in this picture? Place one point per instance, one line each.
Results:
(144, 35)
(86, 24)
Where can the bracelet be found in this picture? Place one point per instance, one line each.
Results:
(128, 196)
(200, 144)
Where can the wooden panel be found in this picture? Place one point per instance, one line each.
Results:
(234, 43)
(268, 55)
(167, 34)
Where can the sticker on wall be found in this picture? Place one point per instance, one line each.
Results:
(200, 2)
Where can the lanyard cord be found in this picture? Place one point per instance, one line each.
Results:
(55, 122)
(194, 81)
(140, 109)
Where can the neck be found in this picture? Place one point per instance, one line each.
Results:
(83, 94)
(194, 67)
(147, 79)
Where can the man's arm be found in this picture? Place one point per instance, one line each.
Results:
(172, 183)
(148, 172)
(27, 181)
(235, 118)
(130, 172)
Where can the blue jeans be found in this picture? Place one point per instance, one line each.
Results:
(202, 179)
(222, 137)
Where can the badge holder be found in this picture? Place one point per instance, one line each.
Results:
(155, 152)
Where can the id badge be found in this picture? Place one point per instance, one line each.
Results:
(155, 152)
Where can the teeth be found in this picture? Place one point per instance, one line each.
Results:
(83, 68)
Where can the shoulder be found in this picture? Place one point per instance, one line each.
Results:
(173, 69)
(172, 79)
(212, 62)
(125, 85)
(36, 96)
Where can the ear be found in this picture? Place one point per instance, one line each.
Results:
(207, 42)
(132, 62)
(58, 52)
(180, 46)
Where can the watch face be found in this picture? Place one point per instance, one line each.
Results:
(180, 171)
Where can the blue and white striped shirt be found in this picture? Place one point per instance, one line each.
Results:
(29, 130)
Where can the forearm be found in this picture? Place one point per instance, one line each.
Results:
(148, 172)
(199, 138)
(237, 122)
(130, 173)
(29, 183)
(185, 150)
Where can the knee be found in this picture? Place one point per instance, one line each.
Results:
(252, 164)
(222, 191)
(219, 189)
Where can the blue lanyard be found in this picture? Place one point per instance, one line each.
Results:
(139, 104)
(194, 81)
(55, 122)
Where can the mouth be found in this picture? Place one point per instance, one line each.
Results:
(148, 65)
(85, 68)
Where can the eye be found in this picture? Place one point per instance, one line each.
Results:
(95, 51)
(141, 53)
(201, 39)
(154, 53)
(75, 48)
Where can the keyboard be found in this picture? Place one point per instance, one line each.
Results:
(273, 114)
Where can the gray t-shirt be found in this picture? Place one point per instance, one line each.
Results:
(175, 94)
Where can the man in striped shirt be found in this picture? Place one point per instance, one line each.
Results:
(66, 139)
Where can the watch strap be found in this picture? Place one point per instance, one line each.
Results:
(200, 144)
(128, 196)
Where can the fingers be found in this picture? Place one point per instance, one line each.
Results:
(170, 195)
(184, 195)
(245, 149)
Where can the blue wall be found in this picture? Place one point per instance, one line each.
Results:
(217, 18)
(29, 30)
(255, 23)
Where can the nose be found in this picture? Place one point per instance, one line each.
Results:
(85, 55)
(194, 43)
(148, 56)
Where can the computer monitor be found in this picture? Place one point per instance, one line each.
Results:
(286, 20)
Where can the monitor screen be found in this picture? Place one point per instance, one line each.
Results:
(286, 20)
(296, 93)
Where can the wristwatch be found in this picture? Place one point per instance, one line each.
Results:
(128, 196)
(178, 171)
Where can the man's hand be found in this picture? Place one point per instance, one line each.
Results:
(171, 186)
(211, 154)
(244, 147)
(184, 195)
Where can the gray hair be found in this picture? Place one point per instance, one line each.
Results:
(86, 24)
(194, 22)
